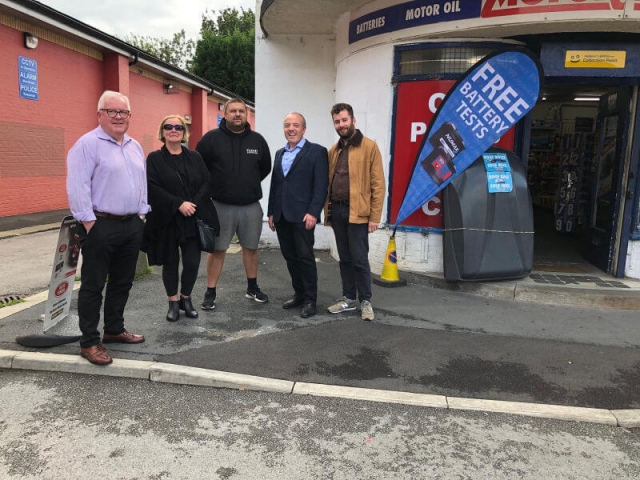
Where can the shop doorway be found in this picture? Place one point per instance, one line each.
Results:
(577, 157)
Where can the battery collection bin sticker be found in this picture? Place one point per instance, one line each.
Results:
(499, 179)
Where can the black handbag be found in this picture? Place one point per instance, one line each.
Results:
(206, 236)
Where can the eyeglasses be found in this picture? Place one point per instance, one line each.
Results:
(168, 127)
(115, 113)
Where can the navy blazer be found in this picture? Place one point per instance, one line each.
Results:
(304, 189)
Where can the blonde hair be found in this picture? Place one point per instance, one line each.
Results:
(185, 133)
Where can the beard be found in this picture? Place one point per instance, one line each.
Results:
(348, 134)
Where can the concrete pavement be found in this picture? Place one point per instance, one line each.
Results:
(427, 346)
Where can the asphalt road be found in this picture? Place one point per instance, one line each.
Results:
(25, 265)
(423, 340)
(67, 426)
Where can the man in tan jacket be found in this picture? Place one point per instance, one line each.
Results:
(354, 207)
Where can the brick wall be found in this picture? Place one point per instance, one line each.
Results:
(150, 104)
(37, 134)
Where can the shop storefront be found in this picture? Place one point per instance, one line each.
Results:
(576, 144)
(395, 61)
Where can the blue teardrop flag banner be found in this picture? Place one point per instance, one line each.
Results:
(492, 96)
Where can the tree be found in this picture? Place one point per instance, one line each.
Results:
(177, 51)
(229, 20)
(225, 53)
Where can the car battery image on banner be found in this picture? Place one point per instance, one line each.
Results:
(447, 143)
(438, 166)
(447, 138)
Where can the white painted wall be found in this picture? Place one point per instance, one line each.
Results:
(294, 73)
(363, 79)
(632, 267)
(300, 73)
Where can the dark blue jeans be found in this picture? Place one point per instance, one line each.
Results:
(352, 240)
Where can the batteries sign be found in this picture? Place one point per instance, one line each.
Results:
(491, 97)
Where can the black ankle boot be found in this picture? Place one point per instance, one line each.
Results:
(174, 311)
(187, 306)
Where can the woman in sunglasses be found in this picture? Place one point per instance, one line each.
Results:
(178, 190)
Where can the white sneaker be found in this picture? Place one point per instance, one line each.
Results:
(343, 305)
(367, 310)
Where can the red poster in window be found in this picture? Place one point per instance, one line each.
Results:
(416, 104)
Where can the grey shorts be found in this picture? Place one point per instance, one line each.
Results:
(242, 220)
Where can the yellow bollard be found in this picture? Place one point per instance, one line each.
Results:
(389, 276)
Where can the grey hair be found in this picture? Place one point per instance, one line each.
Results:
(304, 120)
(107, 94)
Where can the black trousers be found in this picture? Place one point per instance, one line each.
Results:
(190, 263)
(352, 240)
(296, 245)
(110, 249)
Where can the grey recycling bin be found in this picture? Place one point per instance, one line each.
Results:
(488, 236)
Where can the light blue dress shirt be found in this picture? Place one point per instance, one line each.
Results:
(288, 156)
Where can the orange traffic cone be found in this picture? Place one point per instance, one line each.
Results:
(389, 276)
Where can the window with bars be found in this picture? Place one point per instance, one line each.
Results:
(439, 61)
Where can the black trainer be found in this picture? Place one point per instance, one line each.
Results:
(257, 295)
(209, 302)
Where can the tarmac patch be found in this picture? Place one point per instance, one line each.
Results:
(625, 395)
(475, 375)
(369, 364)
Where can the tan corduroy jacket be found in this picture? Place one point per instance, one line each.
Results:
(366, 179)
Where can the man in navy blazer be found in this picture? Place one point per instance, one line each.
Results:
(299, 183)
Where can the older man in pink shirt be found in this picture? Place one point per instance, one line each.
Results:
(107, 190)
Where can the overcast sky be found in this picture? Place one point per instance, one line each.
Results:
(156, 18)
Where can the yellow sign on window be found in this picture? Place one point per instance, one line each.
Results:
(595, 59)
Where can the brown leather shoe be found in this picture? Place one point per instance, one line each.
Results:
(96, 354)
(124, 337)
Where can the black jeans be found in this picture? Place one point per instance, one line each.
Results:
(190, 264)
(296, 245)
(352, 240)
(110, 249)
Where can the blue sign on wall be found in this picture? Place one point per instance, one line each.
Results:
(411, 14)
(499, 177)
(28, 78)
(220, 117)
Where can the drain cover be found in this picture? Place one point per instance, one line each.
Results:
(10, 298)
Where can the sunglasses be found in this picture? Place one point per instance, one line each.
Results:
(168, 127)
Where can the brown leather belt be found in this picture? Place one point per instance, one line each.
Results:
(114, 217)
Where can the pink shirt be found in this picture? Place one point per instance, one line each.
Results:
(105, 176)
